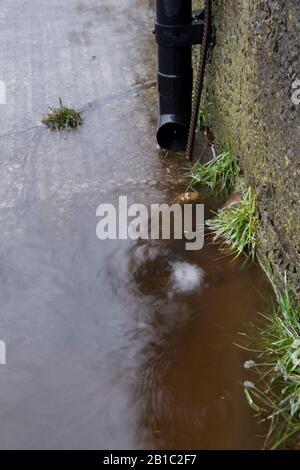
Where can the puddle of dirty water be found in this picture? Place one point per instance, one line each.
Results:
(188, 309)
(112, 344)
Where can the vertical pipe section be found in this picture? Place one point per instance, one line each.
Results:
(174, 78)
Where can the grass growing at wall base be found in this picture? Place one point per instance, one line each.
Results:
(201, 119)
(276, 394)
(218, 175)
(235, 226)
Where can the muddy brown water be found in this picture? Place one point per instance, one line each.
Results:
(112, 344)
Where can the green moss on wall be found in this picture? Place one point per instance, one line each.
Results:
(254, 59)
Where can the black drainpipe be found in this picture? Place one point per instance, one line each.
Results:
(176, 30)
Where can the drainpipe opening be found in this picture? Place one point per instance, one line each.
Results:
(172, 132)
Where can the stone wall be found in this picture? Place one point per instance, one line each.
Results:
(254, 60)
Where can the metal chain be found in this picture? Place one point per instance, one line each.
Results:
(199, 82)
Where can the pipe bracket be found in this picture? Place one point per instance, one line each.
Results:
(181, 35)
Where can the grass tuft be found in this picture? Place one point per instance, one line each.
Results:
(201, 119)
(276, 395)
(235, 226)
(62, 118)
(218, 174)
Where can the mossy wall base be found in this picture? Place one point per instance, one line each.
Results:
(254, 60)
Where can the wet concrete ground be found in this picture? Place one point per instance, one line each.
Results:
(107, 346)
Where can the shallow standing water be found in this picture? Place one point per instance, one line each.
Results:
(108, 345)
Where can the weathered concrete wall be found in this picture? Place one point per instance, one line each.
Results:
(253, 63)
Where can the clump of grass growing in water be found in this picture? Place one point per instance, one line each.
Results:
(218, 175)
(62, 118)
(235, 226)
(276, 396)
